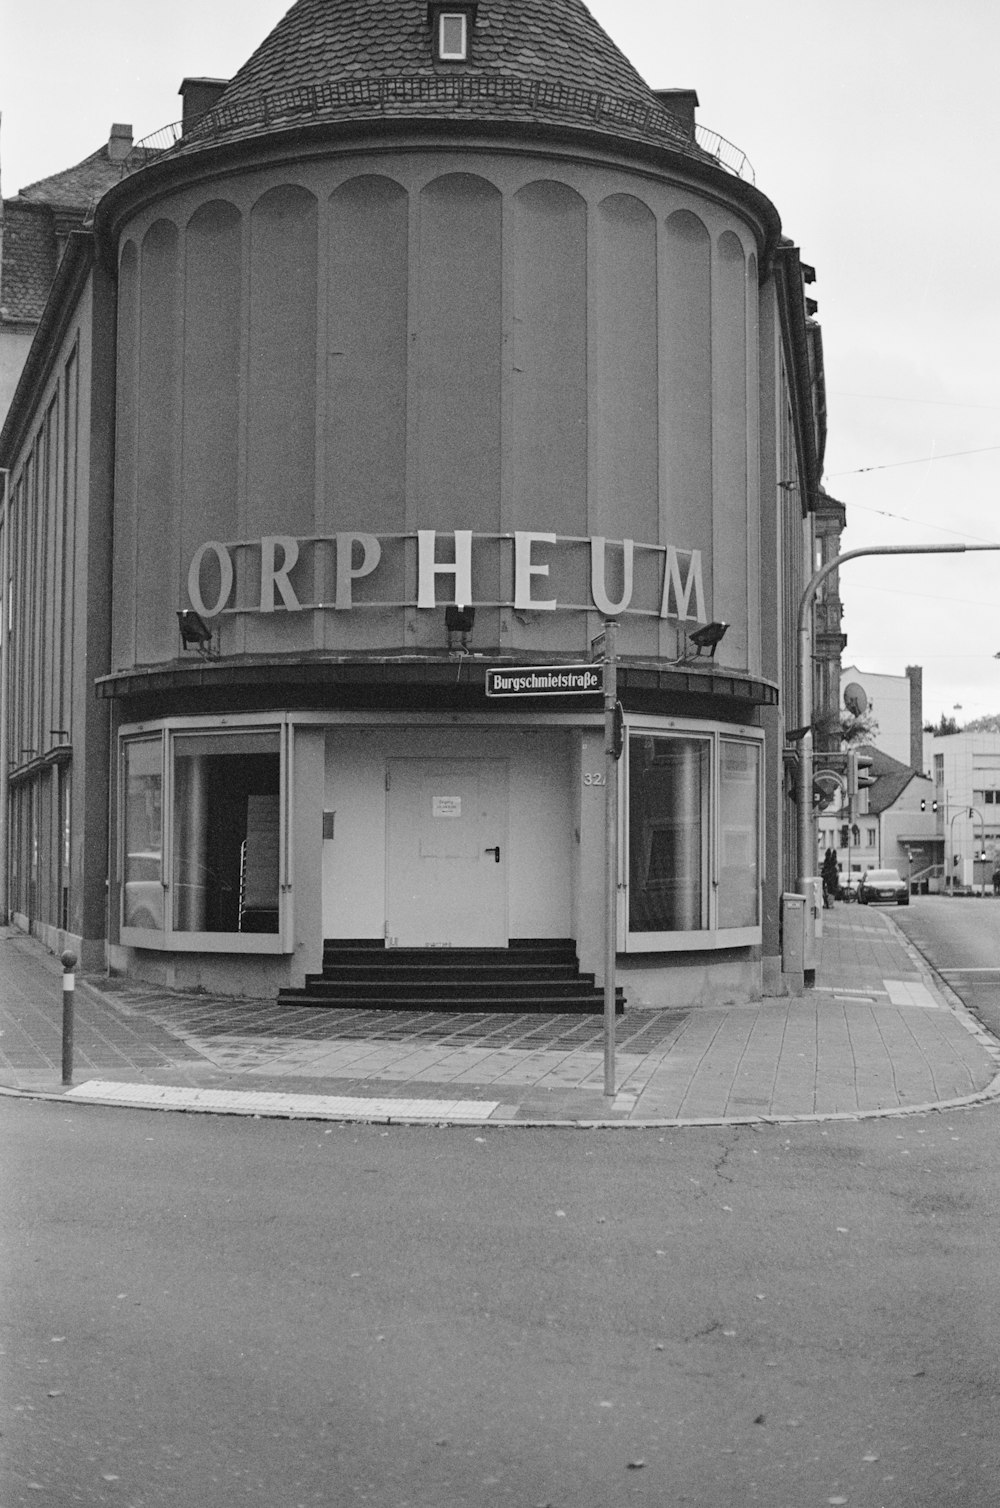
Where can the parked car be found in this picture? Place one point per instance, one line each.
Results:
(883, 885)
(849, 887)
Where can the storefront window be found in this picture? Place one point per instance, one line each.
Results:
(668, 825)
(739, 847)
(143, 832)
(202, 857)
(226, 832)
(694, 855)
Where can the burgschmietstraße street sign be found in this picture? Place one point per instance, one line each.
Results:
(546, 680)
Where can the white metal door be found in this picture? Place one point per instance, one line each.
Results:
(446, 842)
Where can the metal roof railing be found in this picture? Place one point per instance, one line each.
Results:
(427, 95)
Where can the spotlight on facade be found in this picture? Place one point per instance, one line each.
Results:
(709, 637)
(195, 632)
(458, 621)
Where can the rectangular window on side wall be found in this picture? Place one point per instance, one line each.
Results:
(693, 839)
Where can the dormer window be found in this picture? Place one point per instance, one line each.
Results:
(451, 30)
(453, 36)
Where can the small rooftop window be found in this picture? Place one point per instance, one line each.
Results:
(453, 36)
(451, 31)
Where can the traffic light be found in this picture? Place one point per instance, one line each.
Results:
(859, 771)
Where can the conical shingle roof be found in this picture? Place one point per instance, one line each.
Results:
(319, 41)
(343, 60)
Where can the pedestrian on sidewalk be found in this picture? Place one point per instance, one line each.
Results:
(830, 872)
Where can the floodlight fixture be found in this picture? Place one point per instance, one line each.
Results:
(709, 637)
(458, 620)
(195, 632)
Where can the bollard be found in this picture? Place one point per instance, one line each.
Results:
(68, 961)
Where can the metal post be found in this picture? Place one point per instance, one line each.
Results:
(68, 961)
(610, 849)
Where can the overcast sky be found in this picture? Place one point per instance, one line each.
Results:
(873, 127)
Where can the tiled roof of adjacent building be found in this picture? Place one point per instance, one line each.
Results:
(29, 262)
(338, 60)
(80, 187)
(891, 779)
(36, 219)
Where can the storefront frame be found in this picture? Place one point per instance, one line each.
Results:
(713, 736)
(173, 936)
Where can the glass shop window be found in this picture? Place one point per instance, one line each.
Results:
(668, 810)
(226, 832)
(739, 826)
(143, 893)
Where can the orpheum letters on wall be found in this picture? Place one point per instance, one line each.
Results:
(544, 572)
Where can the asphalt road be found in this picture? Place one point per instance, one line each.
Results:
(960, 938)
(215, 1311)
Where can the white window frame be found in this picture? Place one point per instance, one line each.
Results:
(170, 938)
(712, 936)
(453, 56)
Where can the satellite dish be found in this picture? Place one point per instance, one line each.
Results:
(855, 699)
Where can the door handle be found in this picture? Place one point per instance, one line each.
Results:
(494, 851)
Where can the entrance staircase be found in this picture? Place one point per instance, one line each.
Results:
(531, 975)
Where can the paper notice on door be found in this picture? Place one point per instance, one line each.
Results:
(446, 806)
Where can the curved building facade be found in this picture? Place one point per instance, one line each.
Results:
(414, 392)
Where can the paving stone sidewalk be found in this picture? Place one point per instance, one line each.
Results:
(877, 1035)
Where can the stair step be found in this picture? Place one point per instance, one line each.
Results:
(520, 958)
(458, 974)
(379, 989)
(473, 1005)
(532, 975)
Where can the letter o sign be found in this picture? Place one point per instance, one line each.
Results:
(225, 568)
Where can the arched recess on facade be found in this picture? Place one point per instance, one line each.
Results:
(281, 362)
(548, 365)
(732, 552)
(686, 384)
(158, 399)
(366, 356)
(458, 330)
(625, 403)
(126, 447)
(213, 300)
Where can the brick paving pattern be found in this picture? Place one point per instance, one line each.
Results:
(875, 1036)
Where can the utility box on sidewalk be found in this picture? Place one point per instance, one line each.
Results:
(793, 942)
(811, 888)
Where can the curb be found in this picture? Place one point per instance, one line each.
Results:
(965, 1102)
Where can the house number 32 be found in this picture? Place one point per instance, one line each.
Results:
(595, 779)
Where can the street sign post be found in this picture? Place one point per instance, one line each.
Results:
(612, 752)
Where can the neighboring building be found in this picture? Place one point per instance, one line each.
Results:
(438, 340)
(893, 825)
(966, 773)
(896, 704)
(34, 228)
